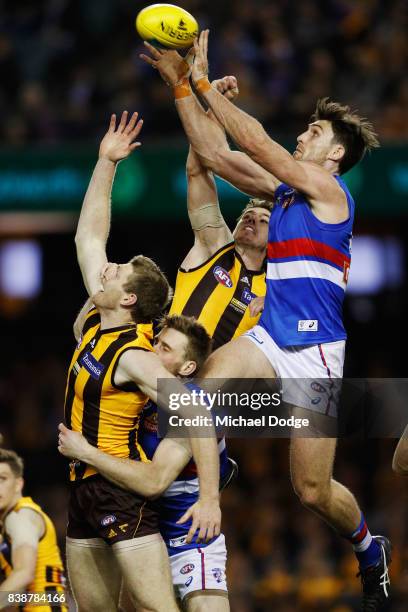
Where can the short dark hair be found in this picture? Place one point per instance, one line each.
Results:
(13, 460)
(151, 287)
(256, 203)
(355, 133)
(199, 341)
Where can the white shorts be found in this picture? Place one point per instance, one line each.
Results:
(317, 370)
(200, 569)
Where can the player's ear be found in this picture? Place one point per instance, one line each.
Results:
(129, 299)
(188, 368)
(337, 152)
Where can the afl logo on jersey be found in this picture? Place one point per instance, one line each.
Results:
(223, 277)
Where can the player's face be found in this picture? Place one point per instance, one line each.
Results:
(170, 346)
(113, 279)
(252, 229)
(10, 486)
(316, 143)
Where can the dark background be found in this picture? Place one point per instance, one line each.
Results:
(64, 67)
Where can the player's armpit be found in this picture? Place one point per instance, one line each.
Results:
(246, 175)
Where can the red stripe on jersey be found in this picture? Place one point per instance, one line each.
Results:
(304, 247)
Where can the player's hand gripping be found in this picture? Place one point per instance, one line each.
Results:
(206, 517)
(200, 65)
(172, 67)
(227, 86)
(256, 306)
(119, 142)
(72, 444)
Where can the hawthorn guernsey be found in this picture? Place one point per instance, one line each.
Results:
(308, 265)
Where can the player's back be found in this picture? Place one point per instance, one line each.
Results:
(307, 271)
(106, 414)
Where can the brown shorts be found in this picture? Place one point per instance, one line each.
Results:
(100, 509)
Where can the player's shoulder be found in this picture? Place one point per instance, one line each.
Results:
(23, 517)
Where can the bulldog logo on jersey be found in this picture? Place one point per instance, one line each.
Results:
(223, 277)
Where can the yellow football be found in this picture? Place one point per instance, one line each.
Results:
(169, 25)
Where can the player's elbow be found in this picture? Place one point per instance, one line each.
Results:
(157, 485)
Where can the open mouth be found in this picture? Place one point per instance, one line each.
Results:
(250, 228)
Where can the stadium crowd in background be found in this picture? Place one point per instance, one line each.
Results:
(53, 57)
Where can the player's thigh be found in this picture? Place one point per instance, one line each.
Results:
(144, 564)
(207, 602)
(240, 358)
(94, 575)
(311, 461)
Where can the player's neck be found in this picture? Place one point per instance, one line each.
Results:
(253, 258)
(113, 318)
(10, 506)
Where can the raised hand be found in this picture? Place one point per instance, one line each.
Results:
(118, 142)
(172, 67)
(200, 65)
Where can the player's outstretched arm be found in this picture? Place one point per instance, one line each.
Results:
(400, 459)
(210, 230)
(145, 369)
(147, 479)
(24, 528)
(250, 136)
(94, 221)
(206, 136)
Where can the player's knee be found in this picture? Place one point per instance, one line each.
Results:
(313, 495)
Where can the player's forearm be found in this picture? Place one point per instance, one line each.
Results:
(248, 133)
(205, 135)
(200, 183)
(143, 478)
(94, 221)
(206, 457)
(18, 580)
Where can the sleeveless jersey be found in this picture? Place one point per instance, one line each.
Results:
(107, 415)
(49, 571)
(307, 271)
(182, 493)
(217, 293)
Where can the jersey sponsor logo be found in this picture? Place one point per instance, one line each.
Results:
(112, 533)
(175, 542)
(92, 343)
(317, 387)
(218, 574)
(237, 305)
(108, 520)
(308, 325)
(92, 366)
(247, 296)
(223, 277)
(245, 280)
(186, 569)
(286, 198)
(189, 581)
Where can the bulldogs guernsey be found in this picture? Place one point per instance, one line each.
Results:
(308, 265)
(182, 493)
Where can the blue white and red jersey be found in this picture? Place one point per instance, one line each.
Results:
(307, 271)
(182, 493)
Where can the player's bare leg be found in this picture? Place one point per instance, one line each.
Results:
(311, 464)
(239, 358)
(94, 575)
(145, 567)
(204, 602)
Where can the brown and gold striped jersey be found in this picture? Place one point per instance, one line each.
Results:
(218, 293)
(106, 414)
(49, 571)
